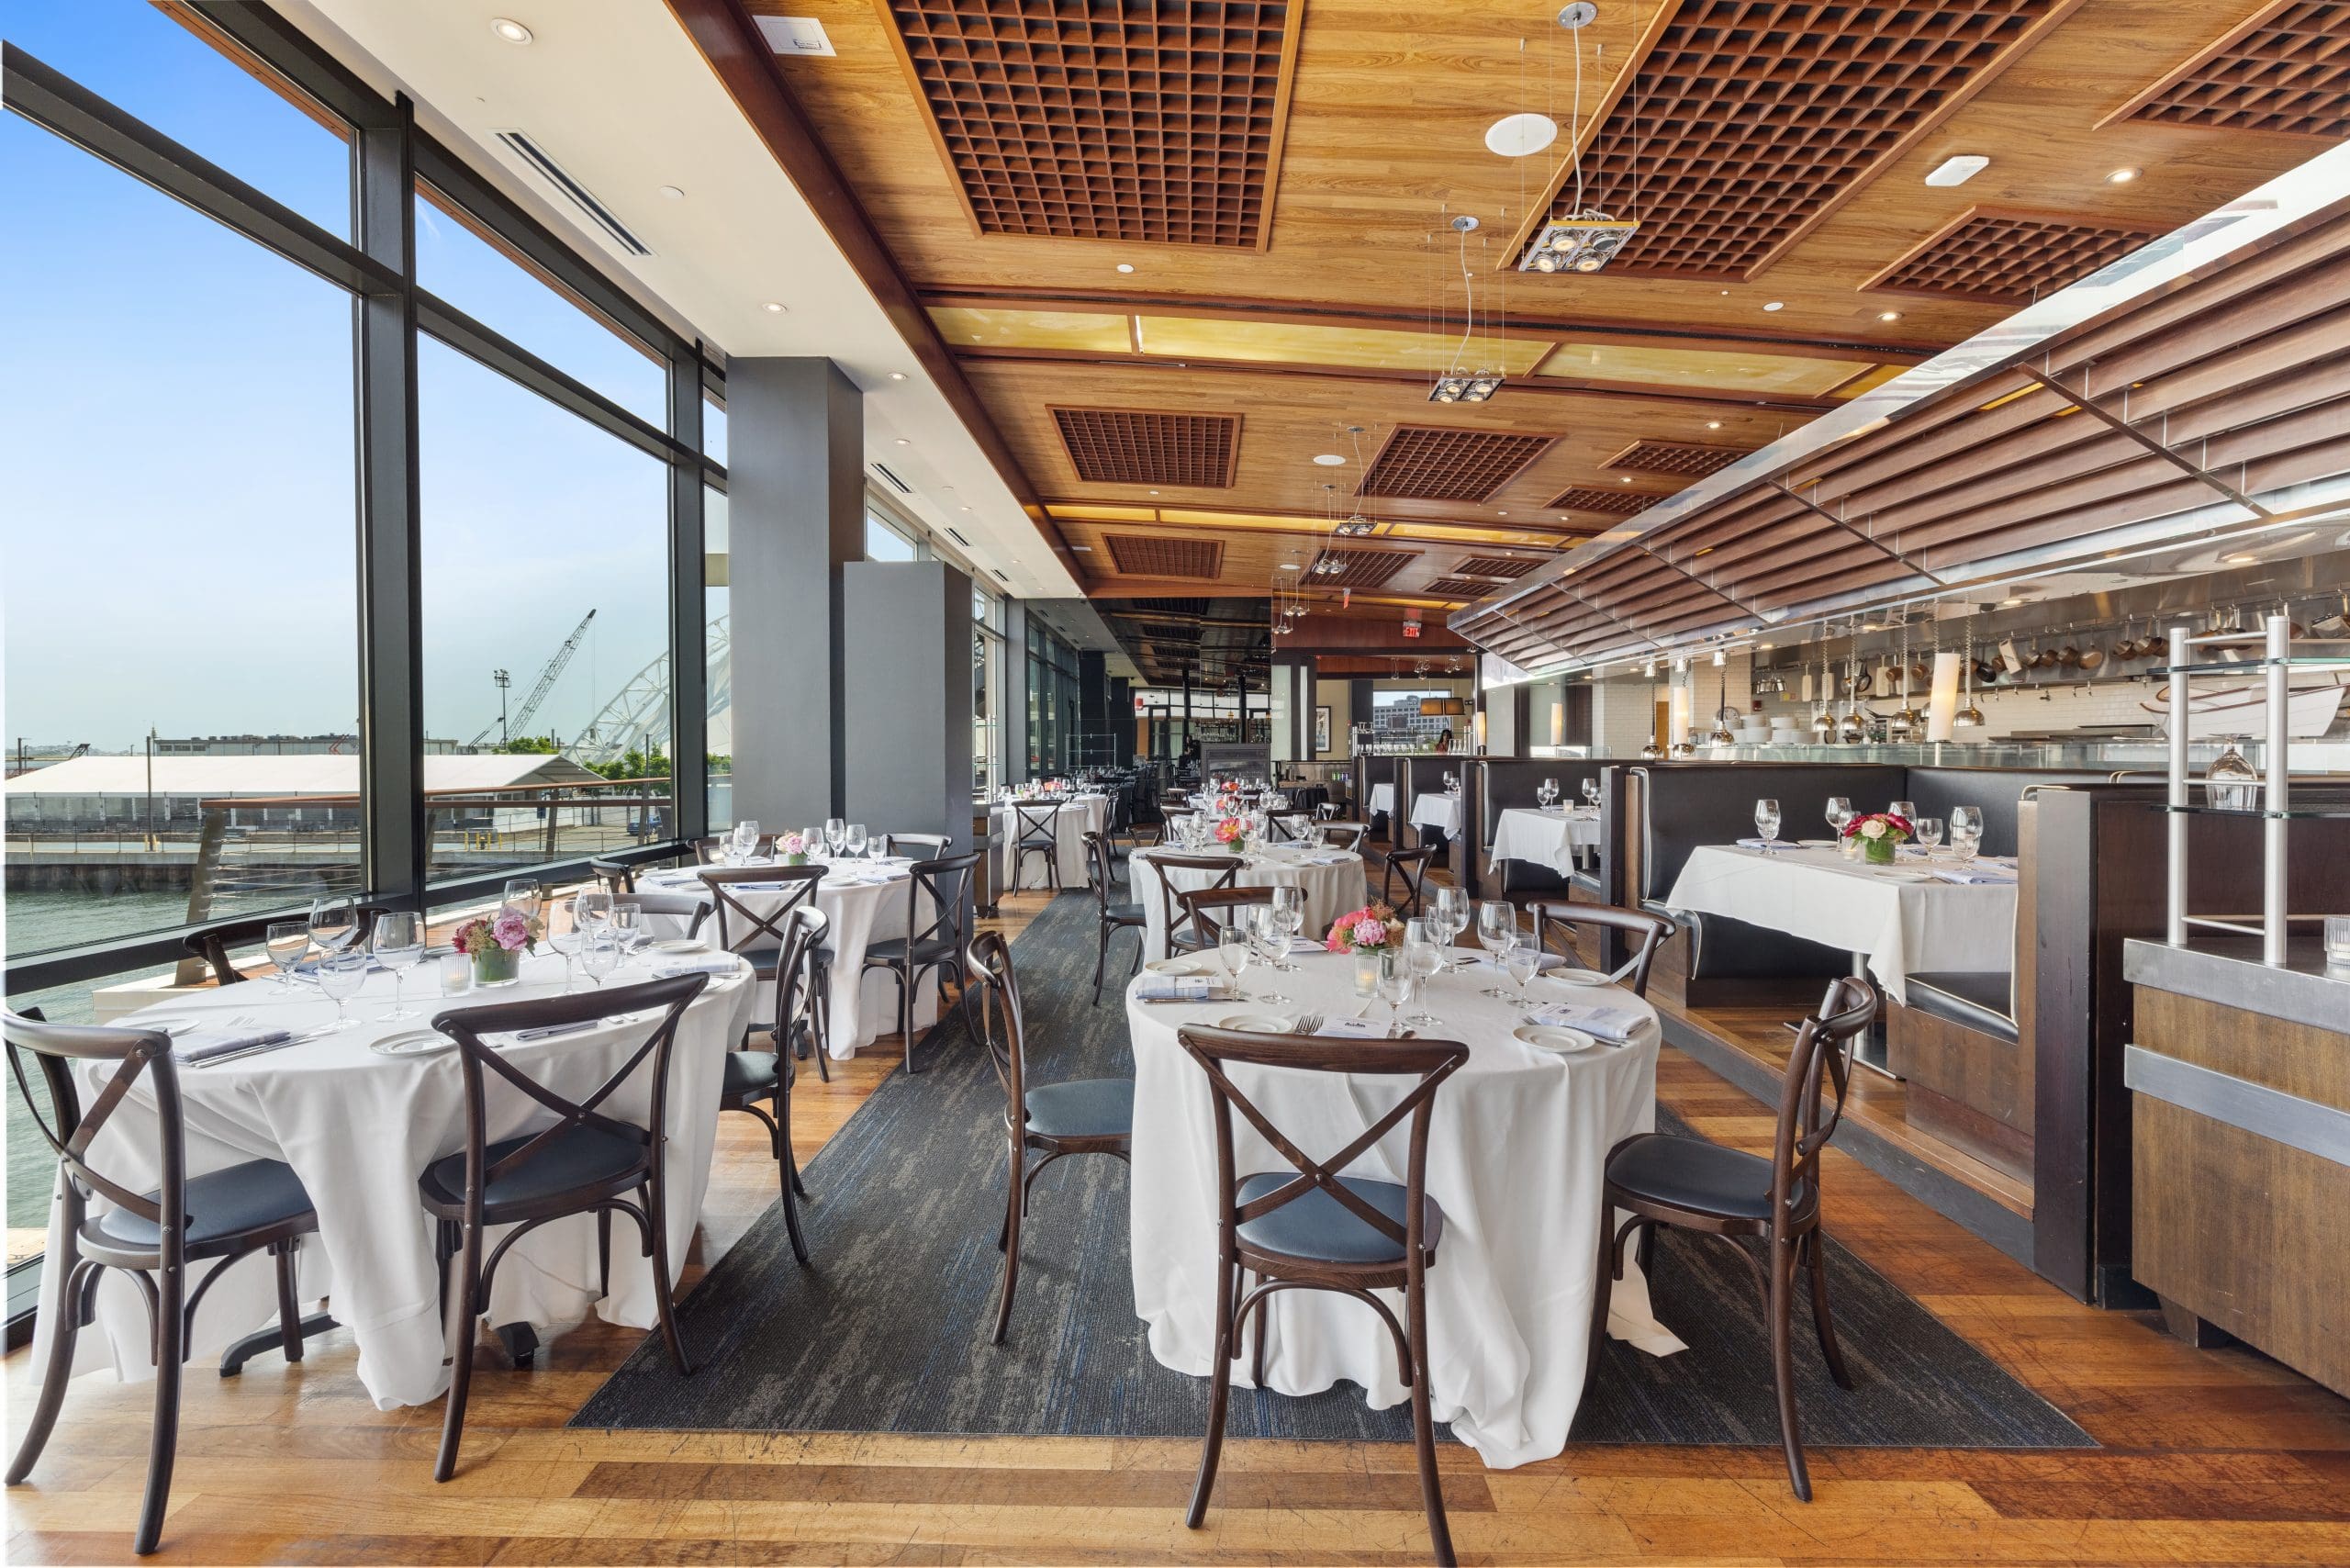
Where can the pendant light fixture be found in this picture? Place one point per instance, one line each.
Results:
(1458, 384)
(1585, 238)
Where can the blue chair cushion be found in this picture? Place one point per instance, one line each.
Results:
(1319, 1229)
(891, 950)
(1690, 1173)
(1086, 1107)
(581, 1157)
(748, 1072)
(1127, 914)
(221, 1205)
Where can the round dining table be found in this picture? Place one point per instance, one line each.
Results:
(864, 901)
(1072, 817)
(1517, 1141)
(1333, 880)
(359, 1127)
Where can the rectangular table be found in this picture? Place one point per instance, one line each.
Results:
(1439, 812)
(1901, 927)
(1550, 838)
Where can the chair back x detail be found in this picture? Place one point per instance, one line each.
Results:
(797, 885)
(212, 944)
(1208, 908)
(1643, 932)
(1224, 871)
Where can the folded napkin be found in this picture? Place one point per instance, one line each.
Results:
(1352, 1029)
(203, 1044)
(715, 964)
(552, 1030)
(1187, 987)
(1760, 844)
(1600, 1023)
(1976, 876)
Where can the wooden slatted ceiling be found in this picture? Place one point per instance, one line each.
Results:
(1594, 497)
(1151, 556)
(1432, 463)
(2007, 258)
(1495, 566)
(1157, 123)
(1362, 569)
(2247, 370)
(1747, 119)
(1459, 587)
(1137, 446)
(2288, 69)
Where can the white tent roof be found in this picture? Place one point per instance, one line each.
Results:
(269, 776)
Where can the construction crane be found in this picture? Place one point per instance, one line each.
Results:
(547, 677)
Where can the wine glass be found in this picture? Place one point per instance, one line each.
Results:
(340, 975)
(1766, 822)
(1546, 792)
(1395, 983)
(397, 943)
(1289, 916)
(591, 913)
(1906, 810)
(1840, 812)
(628, 927)
(287, 942)
(568, 944)
(1524, 961)
(1591, 792)
(334, 921)
(834, 830)
(523, 893)
(1496, 929)
(1449, 909)
(813, 837)
(1423, 957)
(1264, 928)
(599, 954)
(745, 839)
(1929, 835)
(1965, 833)
(853, 839)
(1233, 950)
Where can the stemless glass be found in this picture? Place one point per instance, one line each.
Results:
(1929, 835)
(340, 975)
(1233, 950)
(397, 942)
(1766, 821)
(1840, 812)
(334, 921)
(1496, 929)
(835, 829)
(287, 942)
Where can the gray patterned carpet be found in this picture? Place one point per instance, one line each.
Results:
(887, 1332)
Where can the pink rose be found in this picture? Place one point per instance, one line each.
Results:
(511, 932)
(1368, 933)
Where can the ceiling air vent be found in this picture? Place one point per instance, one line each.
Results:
(952, 532)
(532, 153)
(899, 485)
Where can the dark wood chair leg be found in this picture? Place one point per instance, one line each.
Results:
(657, 1209)
(464, 1280)
(1600, 1298)
(164, 1442)
(1415, 1324)
(1219, 1394)
(603, 1251)
(787, 1168)
(1257, 1355)
(289, 1309)
(1100, 957)
(1783, 1266)
(1015, 1204)
(905, 979)
(1815, 1252)
(58, 1370)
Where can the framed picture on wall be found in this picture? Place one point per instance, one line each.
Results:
(1321, 730)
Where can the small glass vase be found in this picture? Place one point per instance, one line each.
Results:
(1372, 965)
(495, 966)
(1879, 851)
(795, 860)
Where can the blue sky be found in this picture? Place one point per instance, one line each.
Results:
(176, 439)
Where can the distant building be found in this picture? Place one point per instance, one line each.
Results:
(88, 793)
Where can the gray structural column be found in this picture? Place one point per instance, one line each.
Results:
(908, 723)
(795, 482)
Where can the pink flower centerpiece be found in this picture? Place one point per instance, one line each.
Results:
(1233, 831)
(1879, 835)
(495, 943)
(793, 848)
(1373, 926)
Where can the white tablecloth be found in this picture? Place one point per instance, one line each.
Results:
(1546, 838)
(360, 1128)
(1516, 1154)
(1333, 880)
(1072, 819)
(865, 1004)
(1437, 810)
(1383, 798)
(1902, 926)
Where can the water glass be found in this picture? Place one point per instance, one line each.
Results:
(1233, 950)
(1450, 909)
(599, 955)
(1929, 833)
(287, 942)
(813, 837)
(2337, 941)
(1766, 821)
(835, 829)
(1424, 957)
(853, 838)
(1289, 913)
(399, 945)
(1547, 792)
(1965, 831)
(1397, 983)
(1524, 961)
(334, 921)
(629, 928)
(591, 913)
(340, 975)
(1496, 929)
(747, 838)
(1840, 812)
(1262, 923)
(523, 893)
(1906, 810)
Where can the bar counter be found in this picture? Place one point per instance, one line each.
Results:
(2239, 1078)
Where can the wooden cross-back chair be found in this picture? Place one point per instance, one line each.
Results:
(1692, 1184)
(1222, 870)
(1077, 1116)
(1110, 917)
(1644, 933)
(1412, 866)
(713, 851)
(151, 1236)
(743, 927)
(935, 942)
(1208, 908)
(1035, 829)
(587, 1162)
(1312, 1227)
(212, 944)
(618, 876)
(748, 1077)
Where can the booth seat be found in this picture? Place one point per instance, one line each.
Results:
(1508, 783)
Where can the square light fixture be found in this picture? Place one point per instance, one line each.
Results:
(1958, 170)
(1583, 243)
(1456, 388)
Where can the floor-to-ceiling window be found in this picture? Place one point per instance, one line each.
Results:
(1052, 703)
(987, 693)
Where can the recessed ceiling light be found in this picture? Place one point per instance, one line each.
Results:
(1959, 170)
(2009, 603)
(903, 440)
(1774, 304)
(1289, 565)
(1153, 492)
(2122, 176)
(1628, 478)
(1713, 424)
(897, 375)
(773, 308)
(1125, 266)
(509, 29)
(2241, 560)
(673, 193)
(1505, 514)
(1328, 459)
(1889, 315)
(971, 509)
(1521, 136)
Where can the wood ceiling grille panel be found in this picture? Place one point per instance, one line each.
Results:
(1135, 446)
(1682, 459)
(1154, 123)
(2289, 70)
(2007, 258)
(1363, 568)
(1495, 566)
(1146, 555)
(1593, 497)
(1746, 119)
(1428, 463)
(1460, 587)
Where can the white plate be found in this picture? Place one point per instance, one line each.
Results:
(1816, 843)
(163, 1023)
(1184, 966)
(681, 944)
(1576, 977)
(1553, 1038)
(1887, 874)
(1258, 1024)
(411, 1043)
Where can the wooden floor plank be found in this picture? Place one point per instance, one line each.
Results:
(2210, 1457)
